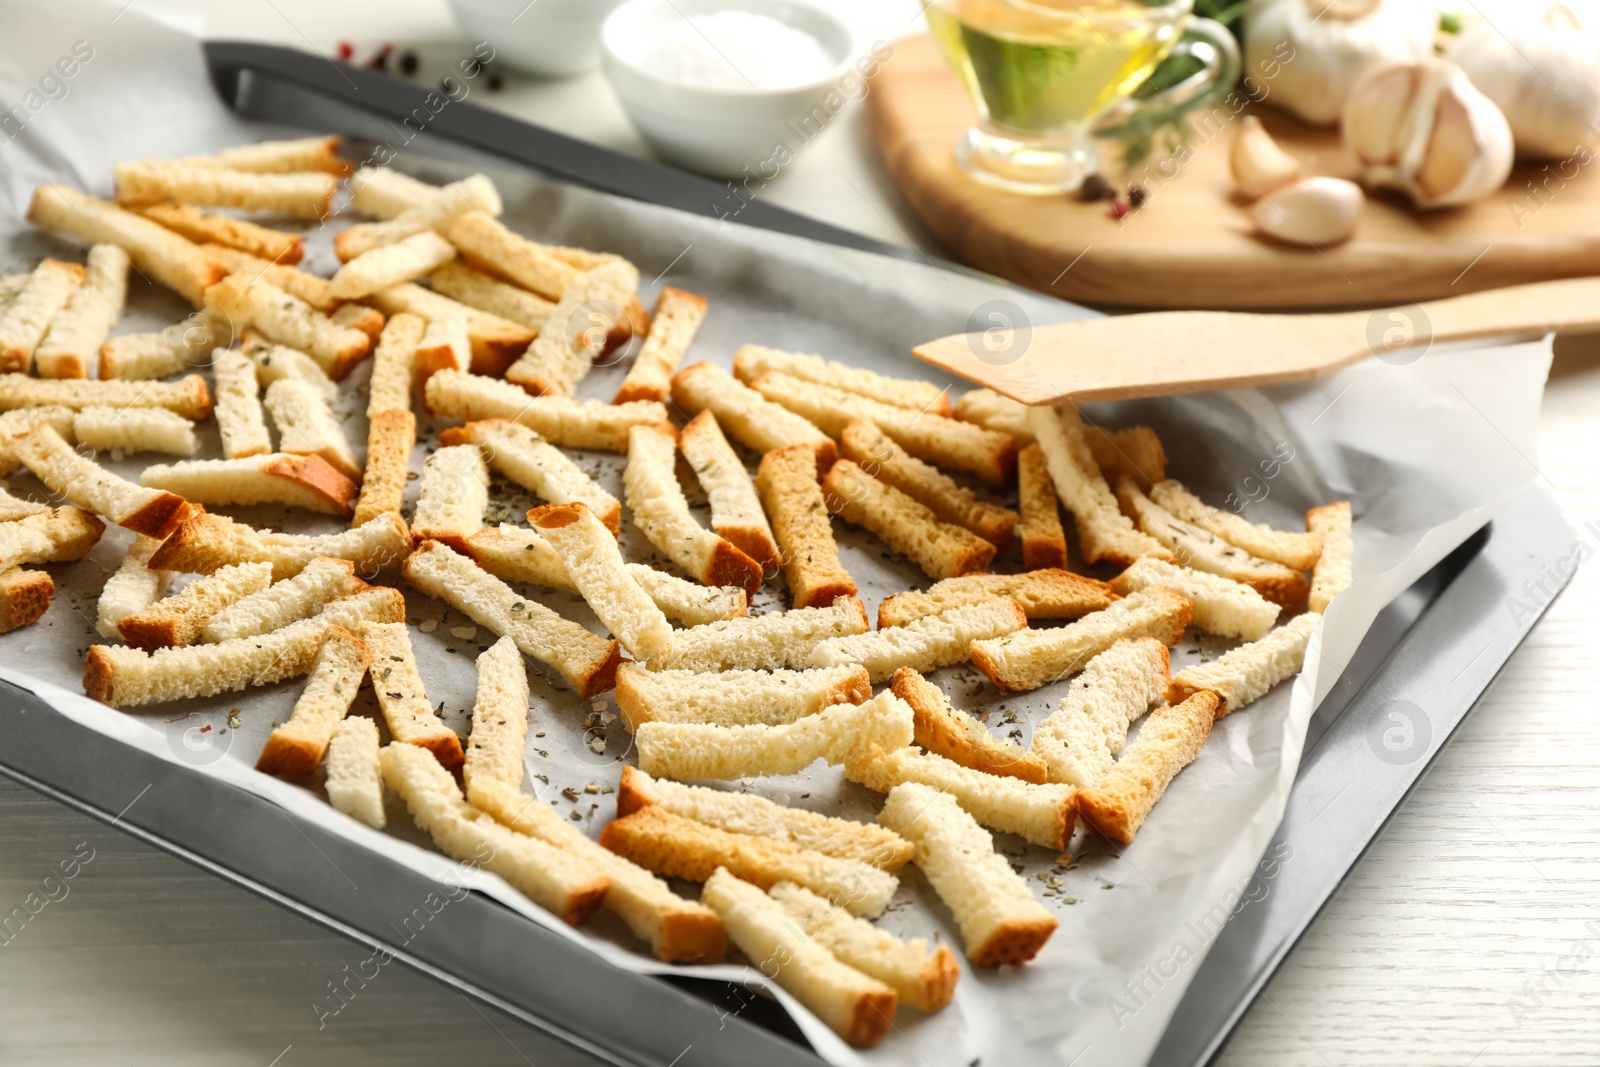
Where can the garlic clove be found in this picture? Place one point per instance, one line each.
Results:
(1443, 143)
(1314, 212)
(1259, 166)
(1451, 150)
(1373, 133)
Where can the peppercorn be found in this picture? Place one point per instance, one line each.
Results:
(1095, 187)
(1137, 195)
(408, 63)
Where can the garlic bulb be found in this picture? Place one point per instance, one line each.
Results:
(1542, 70)
(1319, 48)
(1315, 212)
(1259, 166)
(1423, 127)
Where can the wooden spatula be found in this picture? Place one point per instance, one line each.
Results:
(1167, 352)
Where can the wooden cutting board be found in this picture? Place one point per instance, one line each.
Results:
(1192, 245)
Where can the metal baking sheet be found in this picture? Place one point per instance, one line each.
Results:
(600, 1040)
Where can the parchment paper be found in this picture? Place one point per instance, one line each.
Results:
(1427, 451)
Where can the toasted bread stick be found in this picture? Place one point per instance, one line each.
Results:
(1079, 739)
(1104, 532)
(672, 326)
(839, 734)
(559, 420)
(297, 746)
(379, 268)
(565, 884)
(153, 512)
(499, 719)
(923, 975)
(748, 813)
(675, 847)
(455, 493)
(1201, 550)
(496, 342)
(188, 396)
(736, 512)
(1047, 594)
(240, 417)
(593, 561)
(799, 512)
(303, 196)
(247, 300)
(1118, 804)
(1297, 551)
(134, 586)
(1333, 573)
(276, 478)
(879, 457)
(131, 430)
(355, 772)
(586, 661)
(156, 251)
(924, 644)
(766, 642)
(324, 580)
(746, 415)
(939, 440)
(1044, 542)
(941, 549)
(1221, 606)
(1135, 453)
(1041, 814)
(999, 919)
(1247, 673)
(735, 698)
(589, 319)
(677, 930)
(856, 1006)
(401, 696)
(77, 332)
(391, 435)
(661, 513)
(206, 541)
(534, 463)
(272, 245)
(307, 426)
(478, 290)
(320, 153)
(177, 620)
(752, 361)
(125, 677)
(960, 738)
(53, 536)
(1029, 659)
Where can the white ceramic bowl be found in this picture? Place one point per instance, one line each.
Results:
(544, 37)
(724, 132)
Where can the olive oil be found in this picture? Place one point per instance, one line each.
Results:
(1035, 66)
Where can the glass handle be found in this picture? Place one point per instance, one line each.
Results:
(1203, 39)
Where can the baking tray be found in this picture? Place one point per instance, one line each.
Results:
(1428, 658)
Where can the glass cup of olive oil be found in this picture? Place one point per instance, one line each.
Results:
(1044, 71)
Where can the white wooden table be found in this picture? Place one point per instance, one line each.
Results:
(1469, 935)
